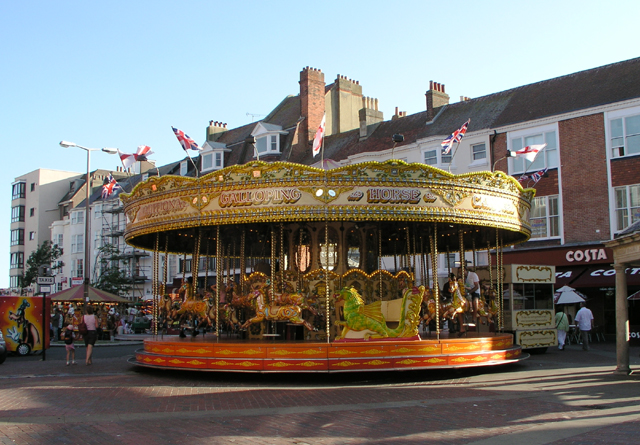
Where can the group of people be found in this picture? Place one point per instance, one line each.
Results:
(66, 324)
(584, 323)
(91, 323)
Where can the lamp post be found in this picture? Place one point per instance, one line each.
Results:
(87, 215)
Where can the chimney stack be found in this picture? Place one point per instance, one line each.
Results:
(369, 115)
(436, 98)
(311, 102)
(215, 130)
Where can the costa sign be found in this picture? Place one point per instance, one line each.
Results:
(586, 255)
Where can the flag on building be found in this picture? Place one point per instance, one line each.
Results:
(523, 178)
(538, 175)
(456, 136)
(317, 141)
(530, 151)
(110, 186)
(140, 155)
(186, 142)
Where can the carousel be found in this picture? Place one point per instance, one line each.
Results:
(292, 268)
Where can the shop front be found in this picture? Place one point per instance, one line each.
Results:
(590, 270)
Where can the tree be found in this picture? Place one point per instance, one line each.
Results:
(46, 254)
(111, 278)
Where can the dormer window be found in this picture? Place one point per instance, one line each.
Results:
(267, 138)
(183, 168)
(212, 156)
(268, 144)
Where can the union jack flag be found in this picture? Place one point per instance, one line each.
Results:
(186, 142)
(110, 186)
(456, 136)
(523, 178)
(538, 175)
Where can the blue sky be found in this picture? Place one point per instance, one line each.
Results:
(121, 73)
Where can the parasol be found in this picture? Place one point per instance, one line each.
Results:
(76, 293)
(634, 296)
(568, 295)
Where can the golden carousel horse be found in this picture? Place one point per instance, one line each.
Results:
(290, 313)
(449, 308)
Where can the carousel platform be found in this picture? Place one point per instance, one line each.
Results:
(210, 353)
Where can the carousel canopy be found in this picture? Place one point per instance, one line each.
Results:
(180, 214)
(76, 293)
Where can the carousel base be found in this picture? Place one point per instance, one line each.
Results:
(210, 353)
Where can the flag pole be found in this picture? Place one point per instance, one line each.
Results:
(194, 164)
(454, 155)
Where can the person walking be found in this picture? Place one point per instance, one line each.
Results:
(68, 344)
(90, 337)
(584, 320)
(562, 325)
(56, 323)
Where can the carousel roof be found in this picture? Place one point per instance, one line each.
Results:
(392, 192)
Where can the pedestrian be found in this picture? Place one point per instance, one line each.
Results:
(57, 323)
(68, 345)
(90, 337)
(584, 320)
(562, 325)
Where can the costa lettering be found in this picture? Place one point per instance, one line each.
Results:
(259, 197)
(392, 196)
(585, 255)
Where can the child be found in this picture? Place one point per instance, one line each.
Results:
(68, 341)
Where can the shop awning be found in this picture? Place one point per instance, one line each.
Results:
(604, 276)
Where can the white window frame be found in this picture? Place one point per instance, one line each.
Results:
(547, 158)
(184, 168)
(549, 202)
(271, 144)
(77, 217)
(478, 161)
(77, 243)
(613, 138)
(97, 211)
(629, 212)
(441, 160)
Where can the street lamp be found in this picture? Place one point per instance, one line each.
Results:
(87, 215)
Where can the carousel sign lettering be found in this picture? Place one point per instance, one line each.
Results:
(259, 197)
(161, 208)
(393, 196)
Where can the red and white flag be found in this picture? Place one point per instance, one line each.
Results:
(530, 151)
(139, 155)
(317, 141)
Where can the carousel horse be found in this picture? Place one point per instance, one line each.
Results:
(369, 320)
(490, 308)
(456, 306)
(290, 313)
(186, 291)
(193, 306)
(292, 299)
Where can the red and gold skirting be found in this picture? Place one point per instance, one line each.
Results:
(211, 354)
